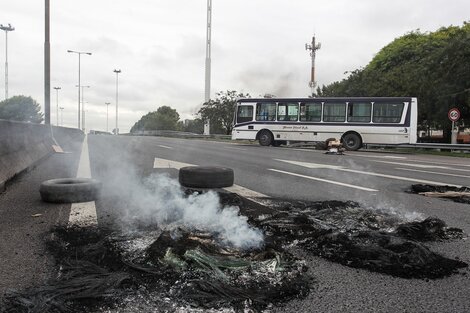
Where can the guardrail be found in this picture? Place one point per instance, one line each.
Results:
(441, 146)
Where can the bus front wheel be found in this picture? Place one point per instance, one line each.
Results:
(352, 141)
(265, 138)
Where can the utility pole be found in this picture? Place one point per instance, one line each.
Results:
(79, 55)
(207, 93)
(313, 48)
(57, 104)
(47, 67)
(107, 107)
(83, 106)
(7, 29)
(61, 116)
(117, 98)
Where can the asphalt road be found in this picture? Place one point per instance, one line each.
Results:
(376, 180)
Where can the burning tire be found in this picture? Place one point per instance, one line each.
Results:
(70, 190)
(206, 177)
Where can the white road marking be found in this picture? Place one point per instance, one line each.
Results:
(378, 156)
(245, 192)
(84, 213)
(166, 147)
(162, 163)
(432, 162)
(233, 148)
(429, 172)
(324, 180)
(411, 164)
(340, 168)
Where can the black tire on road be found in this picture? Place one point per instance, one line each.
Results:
(70, 190)
(265, 138)
(206, 177)
(352, 142)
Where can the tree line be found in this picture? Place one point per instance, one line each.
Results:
(432, 66)
(218, 111)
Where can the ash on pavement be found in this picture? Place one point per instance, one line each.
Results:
(170, 269)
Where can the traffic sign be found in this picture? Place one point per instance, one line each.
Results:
(454, 114)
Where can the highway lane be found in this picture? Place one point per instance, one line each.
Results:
(254, 169)
(116, 161)
(340, 289)
(24, 221)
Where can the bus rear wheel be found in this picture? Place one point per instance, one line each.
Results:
(265, 138)
(352, 141)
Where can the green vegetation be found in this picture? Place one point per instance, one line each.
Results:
(165, 118)
(21, 108)
(220, 111)
(435, 67)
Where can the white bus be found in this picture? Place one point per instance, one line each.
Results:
(357, 121)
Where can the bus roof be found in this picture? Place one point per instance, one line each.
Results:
(325, 99)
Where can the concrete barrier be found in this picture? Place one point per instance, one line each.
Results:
(22, 145)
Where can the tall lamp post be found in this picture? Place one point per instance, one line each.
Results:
(61, 116)
(83, 105)
(57, 104)
(7, 29)
(117, 98)
(207, 88)
(107, 107)
(79, 54)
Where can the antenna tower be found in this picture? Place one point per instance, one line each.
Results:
(313, 47)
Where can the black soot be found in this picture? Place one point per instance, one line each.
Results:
(176, 269)
(453, 193)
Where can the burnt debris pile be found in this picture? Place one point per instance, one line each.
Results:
(182, 268)
(101, 270)
(375, 240)
(456, 194)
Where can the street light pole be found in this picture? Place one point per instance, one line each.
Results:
(79, 54)
(57, 104)
(83, 106)
(117, 98)
(207, 91)
(61, 116)
(7, 29)
(107, 107)
(47, 65)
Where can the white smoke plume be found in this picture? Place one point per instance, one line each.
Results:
(160, 200)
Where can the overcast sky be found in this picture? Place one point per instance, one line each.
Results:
(258, 47)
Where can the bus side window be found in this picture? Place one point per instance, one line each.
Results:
(387, 112)
(245, 113)
(265, 111)
(288, 112)
(334, 112)
(359, 112)
(310, 112)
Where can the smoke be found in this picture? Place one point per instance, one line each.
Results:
(160, 200)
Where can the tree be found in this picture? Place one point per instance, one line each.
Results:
(193, 126)
(21, 108)
(434, 67)
(165, 118)
(220, 111)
